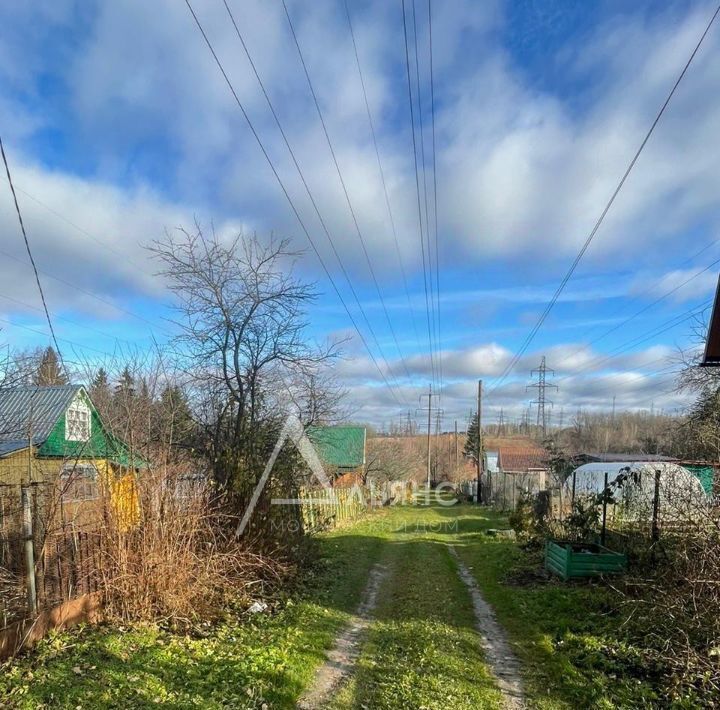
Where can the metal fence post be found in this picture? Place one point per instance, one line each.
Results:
(572, 499)
(30, 585)
(656, 501)
(560, 497)
(604, 512)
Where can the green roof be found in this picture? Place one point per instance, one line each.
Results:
(339, 446)
(42, 410)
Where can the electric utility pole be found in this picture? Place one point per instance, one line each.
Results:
(457, 452)
(479, 441)
(541, 385)
(429, 410)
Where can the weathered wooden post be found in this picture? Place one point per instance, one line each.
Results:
(656, 502)
(604, 511)
(30, 586)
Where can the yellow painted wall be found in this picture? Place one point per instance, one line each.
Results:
(117, 487)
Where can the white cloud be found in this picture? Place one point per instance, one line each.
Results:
(523, 171)
(682, 284)
(518, 168)
(98, 248)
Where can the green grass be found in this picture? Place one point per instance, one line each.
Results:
(241, 663)
(568, 636)
(421, 652)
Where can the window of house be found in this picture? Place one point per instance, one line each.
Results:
(79, 482)
(77, 422)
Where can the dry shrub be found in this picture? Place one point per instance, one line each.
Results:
(12, 597)
(675, 609)
(177, 561)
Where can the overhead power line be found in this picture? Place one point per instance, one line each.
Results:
(603, 214)
(381, 171)
(308, 191)
(661, 328)
(644, 309)
(654, 303)
(417, 189)
(85, 292)
(344, 187)
(435, 201)
(285, 192)
(32, 261)
(425, 187)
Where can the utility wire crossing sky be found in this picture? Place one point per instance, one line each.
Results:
(475, 185)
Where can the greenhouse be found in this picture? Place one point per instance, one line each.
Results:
(634, 487)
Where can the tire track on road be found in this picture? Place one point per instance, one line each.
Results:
(500, 657)
(341, 659)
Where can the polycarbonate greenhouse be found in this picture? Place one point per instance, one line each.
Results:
(680, 494)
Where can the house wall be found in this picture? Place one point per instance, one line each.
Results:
(117, 488)
(28, 466)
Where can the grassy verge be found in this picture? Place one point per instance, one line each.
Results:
(421, 652)
(568, 636)
(240, 663)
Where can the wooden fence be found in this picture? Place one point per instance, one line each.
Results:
(503, 490)
(329, 507)
(323, 508)
(45, 568)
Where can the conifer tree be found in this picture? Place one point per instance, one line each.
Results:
(49, 371)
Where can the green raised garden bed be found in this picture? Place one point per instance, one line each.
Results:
(582, 559)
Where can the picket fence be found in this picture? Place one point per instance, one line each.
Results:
(328, 507)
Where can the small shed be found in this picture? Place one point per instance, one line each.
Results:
(522, 460)
(342, 449)
(527, 467)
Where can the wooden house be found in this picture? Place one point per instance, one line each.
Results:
(53, 439)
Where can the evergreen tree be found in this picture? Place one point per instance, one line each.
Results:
(101, 382)
(126, 384)
(100, 393)
(49, 371)
(471, 442)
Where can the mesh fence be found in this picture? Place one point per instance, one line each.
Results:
(65, 552)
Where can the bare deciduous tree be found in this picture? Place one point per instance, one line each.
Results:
(243, 334)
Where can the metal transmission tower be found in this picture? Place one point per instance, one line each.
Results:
(409, 425)
(541, 385)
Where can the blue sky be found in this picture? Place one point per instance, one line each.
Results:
(119, 126)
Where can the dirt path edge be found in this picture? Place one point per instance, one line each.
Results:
(501, 659)
(342, 657)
